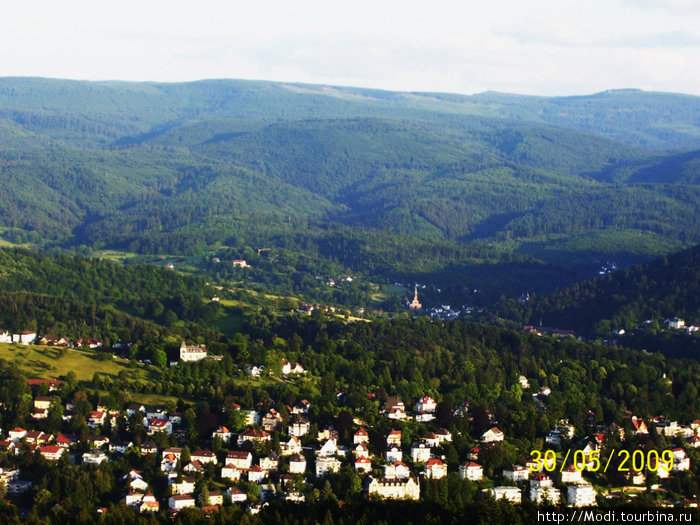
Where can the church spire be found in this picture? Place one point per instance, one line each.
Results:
(415, 304)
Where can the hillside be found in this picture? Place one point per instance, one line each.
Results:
(665, 288)
(192, 168)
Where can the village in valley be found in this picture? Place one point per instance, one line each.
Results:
(284, 453)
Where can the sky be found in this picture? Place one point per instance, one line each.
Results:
(536, 47)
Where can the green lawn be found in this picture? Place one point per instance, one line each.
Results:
(51, 363)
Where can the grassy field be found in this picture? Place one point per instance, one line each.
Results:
(51, 363)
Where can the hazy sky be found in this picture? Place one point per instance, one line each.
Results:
(556, 47)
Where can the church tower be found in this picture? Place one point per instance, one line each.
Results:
(415, 304)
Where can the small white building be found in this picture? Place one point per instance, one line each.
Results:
(516, 473)
(324, 465)
(420, 453)
(191, 353)
(545, 494)
(493, 435)
(181, 501)
(471, 471)
(512, 494)
(581, 495)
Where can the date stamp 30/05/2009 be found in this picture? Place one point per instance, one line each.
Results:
(591, 461)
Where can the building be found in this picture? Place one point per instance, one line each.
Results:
(192, 353)
(516, 473)
(545, 494)
(394, 488)
(415, 304)
(582, 495)
(435, 469)
(471, 471)
(512, 494)
(493, 435)
(325, 465)
(180, 501)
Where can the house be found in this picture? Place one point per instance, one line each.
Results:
(216, 497)
(5, 336)
(426, 404)
(361, 450)
(638, 426)
(393, 438)
(435, 469)
(361, 436)
(293, 446)
(16, 434)
(394, 488)
(149, 504)
(291, 368)
(240, 263)
(168, 463)
(256, 474)
(36, 437)
(223, 433)
(541, 480)
(138, 484)
(66, 440)
(24, 338)
(180, 501)
(297, 464)
(545, 494)
(203, 456)
(571, 475)
(393, 454)
(675, 323)
(231, 472)
(326, 464)
(272, 420)
(299, 427)
(471, 471)
(512, 494)
(362, 464)
(133, 499)
(42, 402)
(192, 353)
(235, 495)
(493, 435)
(443, 435)
(194, 467)
(516, 473)
(95, 457)
(97, 418)
(302, 407)
(581, 495)
(98, 441)
(395, 409)
(240, 459)
(255, 370)
(420, 453)
(254, 435)
(431, 439)
(148, 447)
(120, 447)
(397, 470)
(270, 463)
(186, 486)
(51, 452)
(328, 449)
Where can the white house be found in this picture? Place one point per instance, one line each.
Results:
(435, 469)
(541, 494)
(471, 471)
(325, 465)
(394, 488)
(297, 464)
(492, 435)
(240, 459)
(581, 495)
(191, 353)
(393, 454)
(180, 501)
(512, 494)
(516, 473)
(420, 453)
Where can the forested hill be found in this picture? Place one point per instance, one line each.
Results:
(665, 288)
(191, 168)
(75, 296)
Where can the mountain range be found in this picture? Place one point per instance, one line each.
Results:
(428, 185)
